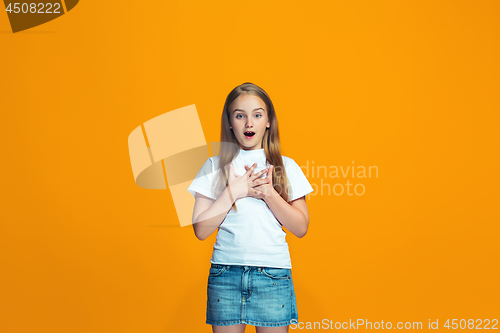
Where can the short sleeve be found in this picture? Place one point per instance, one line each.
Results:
(203, 180)
(298, 181)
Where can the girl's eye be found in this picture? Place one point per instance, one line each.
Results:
(238, 116)
(259, 115)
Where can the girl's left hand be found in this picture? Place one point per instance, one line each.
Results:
(267, 188)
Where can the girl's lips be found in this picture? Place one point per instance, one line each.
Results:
(248, 136)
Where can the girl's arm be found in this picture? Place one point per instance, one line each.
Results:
(294, 215)
(208, 214)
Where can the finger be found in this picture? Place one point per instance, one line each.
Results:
(261, 181)
(263, 171)
(258, 174)
(231, 170)
(247, 168)
(258, 183)
(270, 173)
(249, 171)
(258, 194)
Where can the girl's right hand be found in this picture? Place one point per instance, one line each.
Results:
(243, 186)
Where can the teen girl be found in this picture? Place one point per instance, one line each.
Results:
(248, 193)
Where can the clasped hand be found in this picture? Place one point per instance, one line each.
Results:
(250, 184)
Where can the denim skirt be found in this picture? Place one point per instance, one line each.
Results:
(259, 296)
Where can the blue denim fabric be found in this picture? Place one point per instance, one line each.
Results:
(259, 296)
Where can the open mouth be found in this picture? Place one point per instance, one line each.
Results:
(249, 134)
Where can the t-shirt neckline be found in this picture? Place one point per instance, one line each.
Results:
(244, 152)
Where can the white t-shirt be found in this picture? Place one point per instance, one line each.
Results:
(252, 236)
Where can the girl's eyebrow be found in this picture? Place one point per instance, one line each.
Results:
(244, 110)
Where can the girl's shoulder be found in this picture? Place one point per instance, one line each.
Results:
(215, 161)
(292, 168)
(288, 161)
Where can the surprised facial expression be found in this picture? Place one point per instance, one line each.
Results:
(248, 119)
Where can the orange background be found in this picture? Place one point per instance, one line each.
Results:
(409, 87)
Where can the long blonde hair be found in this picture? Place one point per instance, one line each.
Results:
(270, 143)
